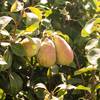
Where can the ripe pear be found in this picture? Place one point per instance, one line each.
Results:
(31, 46)
(63, 51)
(47, 53)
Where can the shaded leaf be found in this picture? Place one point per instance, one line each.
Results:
(8, 58)
(18, 49)
(16, 83)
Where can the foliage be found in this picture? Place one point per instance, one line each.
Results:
(78, 22)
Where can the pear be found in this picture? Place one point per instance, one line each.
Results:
(31, 46)
(47, 53)
(64, 52)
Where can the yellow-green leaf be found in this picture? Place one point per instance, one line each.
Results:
(36, 11)
(32, 27)
(14, 7)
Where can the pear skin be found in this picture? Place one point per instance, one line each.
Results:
(31, 46)
(47, 53)
(63, 51)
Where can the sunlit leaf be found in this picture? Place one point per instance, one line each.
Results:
(48, 12)
(14, 7)
(40, 85)
(4, 21)
(93, 55)
(61, 90)
(91, 44)
(36, 11)
(31, 18)
(32, 27)
(96, 26)
(4, 32)
(97, 87)
(43, 1)
(2, 95)
(85, 69)
(5, 44)
(98, 6)
(87, 30)
(2, 61)
(81, 87)
(17, 6)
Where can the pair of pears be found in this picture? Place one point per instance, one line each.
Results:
(50, 52)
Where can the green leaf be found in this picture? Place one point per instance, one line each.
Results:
(93, 55)
(85, 69)
(8, 58)
(97, 87)
(59, 2)
(4, 21)
(18, 49)
(75, 81)
(2, 95)
(40, 90)
(81, 87)
(54, 69)
(48, 12)
(16, 83)
(45, 22)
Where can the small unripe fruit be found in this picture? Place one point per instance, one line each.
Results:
(31, 46)
(47, 53)
(63, 50)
